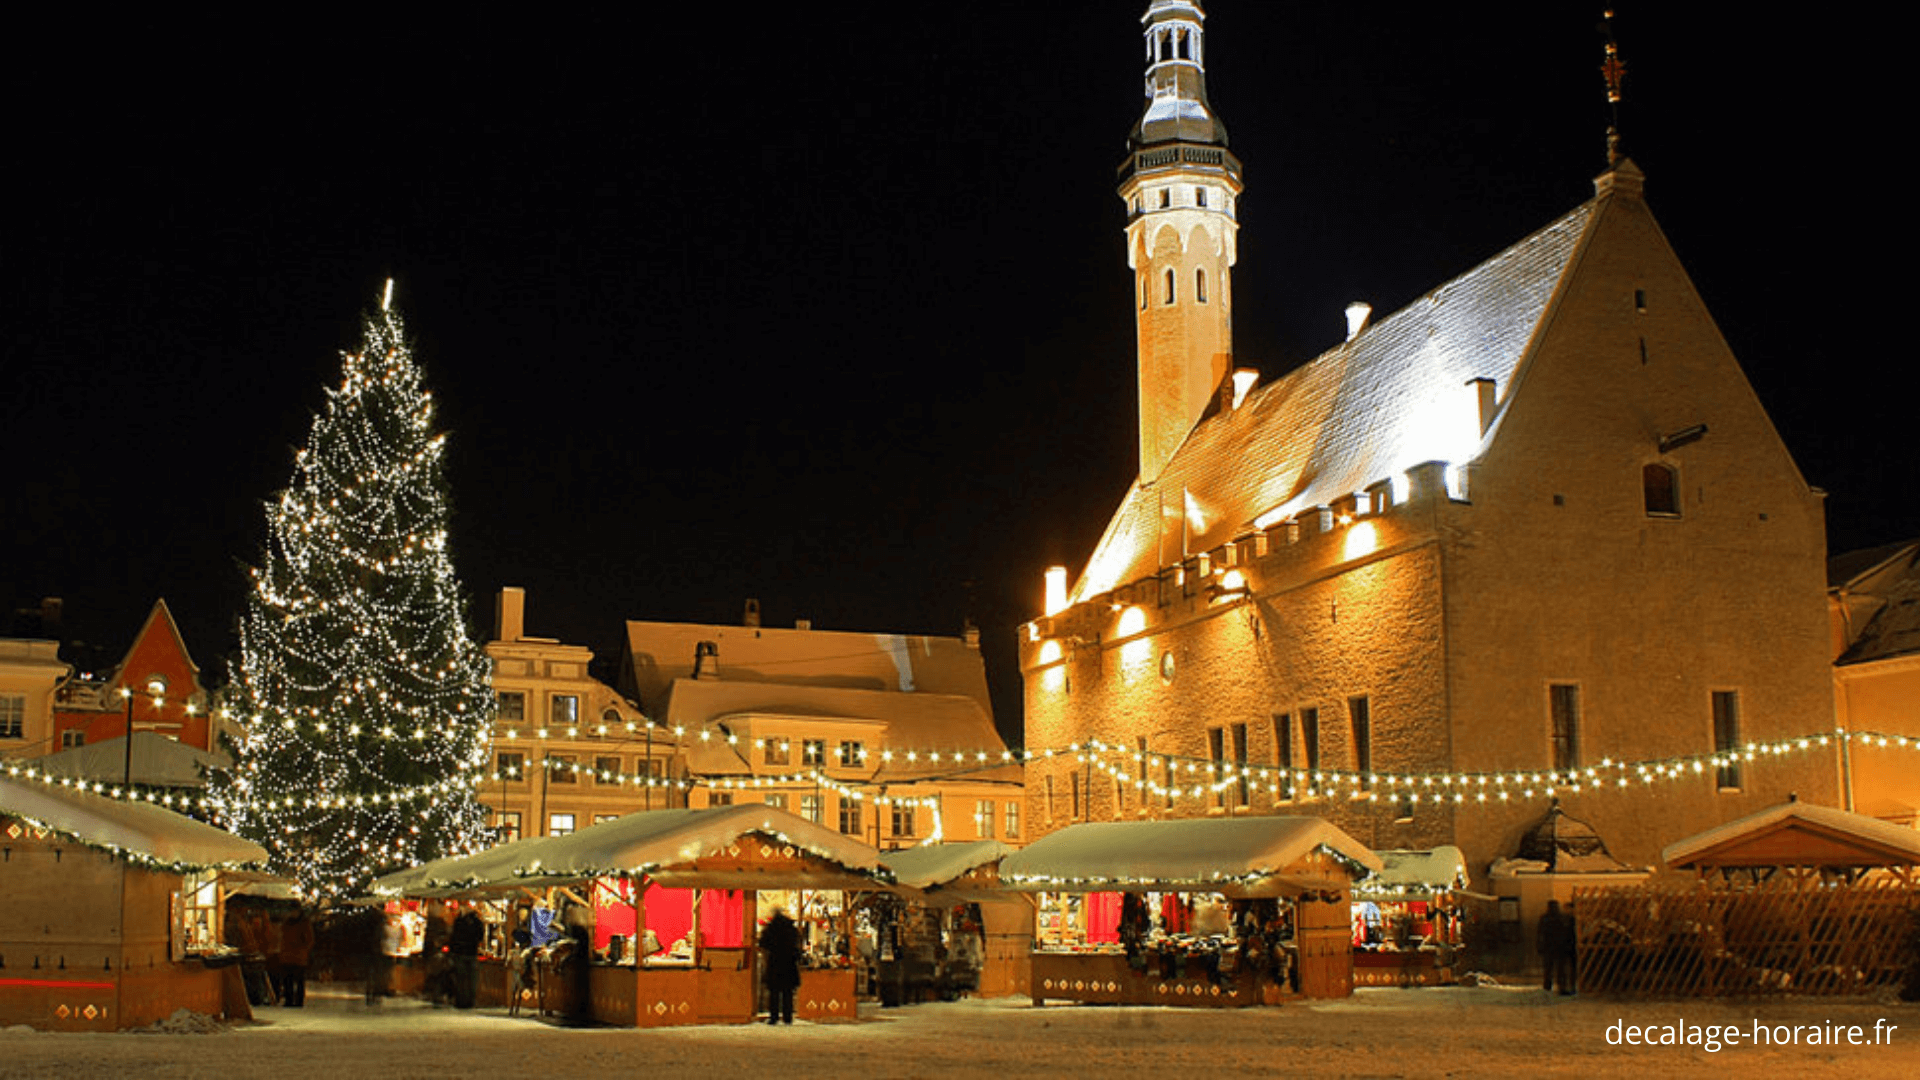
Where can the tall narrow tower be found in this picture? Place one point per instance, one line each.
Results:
(1182, 188)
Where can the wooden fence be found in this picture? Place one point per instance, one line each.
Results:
(1782, 937)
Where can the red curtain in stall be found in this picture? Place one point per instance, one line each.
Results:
(669, 914)
(1173, 914)
(612, 910)
(1103, 918)
(720, 915)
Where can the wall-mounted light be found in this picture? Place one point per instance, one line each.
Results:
(1682, 437)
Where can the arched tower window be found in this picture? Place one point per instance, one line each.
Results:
(1181, 37)
(1166, 197)
(1199, 286)
(1166, 46)
(1144, 289)
(1169, 284)
(1662, 484)
(1200, 196)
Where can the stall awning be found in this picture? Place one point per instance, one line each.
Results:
(156, 761)
(664, 845)
(1799, 834)
(140, 831)
(1247, 856)
(930, 866)
(1416, 875)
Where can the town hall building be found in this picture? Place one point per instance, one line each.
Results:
(1472, 559)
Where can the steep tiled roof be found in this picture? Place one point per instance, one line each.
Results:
(1362, 412)
(1890, 577)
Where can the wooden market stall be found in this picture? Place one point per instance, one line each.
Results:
(113, 912)
(982, 934)
(673, 900)
(1406, 925)
(1198, 912)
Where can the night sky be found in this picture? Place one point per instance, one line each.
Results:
(828, 305)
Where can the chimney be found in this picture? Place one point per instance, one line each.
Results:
(971, 635)
(511, 623)
(751, 617)
(706, 660)
(1358, 313)
(1483, 393)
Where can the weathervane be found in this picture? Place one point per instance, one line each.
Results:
(386, 300)
(1613, 70)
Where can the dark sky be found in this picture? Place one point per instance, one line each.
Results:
(828, 306)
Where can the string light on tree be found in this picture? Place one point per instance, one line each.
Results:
(368, 703)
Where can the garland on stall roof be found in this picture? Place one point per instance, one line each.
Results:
(138, 858)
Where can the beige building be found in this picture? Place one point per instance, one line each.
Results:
(888, 737)
(1874, 603)
(30, 671)
(568, 750)
(1477, 555)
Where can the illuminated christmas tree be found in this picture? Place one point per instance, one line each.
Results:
(365, 704)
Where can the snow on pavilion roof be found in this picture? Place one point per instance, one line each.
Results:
(1362, 412)
(1898, 844)
(1419, 872)
(157, 762)
(137, 830)
(1197, 853)
(932, 865)
(641, 843)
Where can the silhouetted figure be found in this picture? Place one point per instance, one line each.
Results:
(463, 949)
(1555, 939)
(780, 939)
(296, 952)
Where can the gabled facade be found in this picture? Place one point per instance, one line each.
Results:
(157, 683)
(1532, 525)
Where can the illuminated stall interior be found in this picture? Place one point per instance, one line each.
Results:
(1406, 924)
(1208, 911)
(955, 930)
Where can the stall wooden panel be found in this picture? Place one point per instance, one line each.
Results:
(1325, 939)
(1106, 979)
(665, 997)
(825, 995)
(723, 993)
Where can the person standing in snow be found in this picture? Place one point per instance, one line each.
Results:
(463, 949)
(1556, 941)
(780, 940)
(296, 952)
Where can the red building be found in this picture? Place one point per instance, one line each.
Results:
(162, 693)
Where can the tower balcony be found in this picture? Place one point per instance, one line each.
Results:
(1170, 156)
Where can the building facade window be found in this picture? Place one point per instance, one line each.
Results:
(983, 818)
(72, 739)
(1565, 705)
(849, 816)
(559, 824)
(1049, 796)
(564, 710)
(1217, 754)
(852, 754)
(1199, 286)
(506, 825)
(513, 705)
(777, 800)
(1169, 285)
(1013, 821)
(602, 819)
(1662, 485)
(777, 751)
(561, 770)
(810, 808)
(606, 770)
(813, 752)
(1726, 736)
(1360, 712)
(1283, 753)
(1199, 193)
(719, 798)
(1310, 737)
(903, 823)
(1240, 762)
(511, 766)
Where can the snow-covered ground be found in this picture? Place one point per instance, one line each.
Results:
(1423, 1033)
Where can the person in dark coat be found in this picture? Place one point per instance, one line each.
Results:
(780, 940)
(1555, 939)
(463, 949)
(296, 952)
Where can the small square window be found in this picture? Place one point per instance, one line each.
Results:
(565, 711)
(559, 824)
(777, 751)
(506, 825)
(513, 705)
(1013, 821)
(562, 770)
(813, 752)
(511, 766)
(606, 770)
(852, 754)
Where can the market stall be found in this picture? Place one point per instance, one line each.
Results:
(1200, 912)
(957, 931)
(112, 918)
(1406, 925)
(668, 904)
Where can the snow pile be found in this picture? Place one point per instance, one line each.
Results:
(186, 1022)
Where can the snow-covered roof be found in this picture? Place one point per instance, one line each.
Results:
(1251, 855)
(917, 720)
(1897, 844)
(932, 865)
(662, 844)
(138, 830)
(1409, 873)
(157, 762)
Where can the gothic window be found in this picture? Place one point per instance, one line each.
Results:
(1662, 484)
(1200, 197)
(1169, 284)
(1181, 38)
(1565, 703)
(1726, 736)
(1361, 713)
(1200, 286)
(1240, 762)
(1166, 197)
(1166, 46)
(1144, 290)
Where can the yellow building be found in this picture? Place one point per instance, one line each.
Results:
(1481, 553)
(888, 737)
(30, 671)
(568, 749)
(1874, 601)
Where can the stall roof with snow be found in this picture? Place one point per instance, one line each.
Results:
(1250, 856)
(1798, 834)
(139, 831)
(157, 761)
(732, 847)
(1417, 875)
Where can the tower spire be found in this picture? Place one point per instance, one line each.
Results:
(1614, 71)
(1182, 187)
